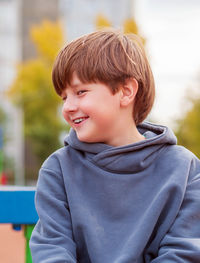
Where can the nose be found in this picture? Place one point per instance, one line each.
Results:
(70, 105)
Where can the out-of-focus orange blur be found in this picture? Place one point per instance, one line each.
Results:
(12, 245)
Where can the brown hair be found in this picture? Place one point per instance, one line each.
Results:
(109, 57)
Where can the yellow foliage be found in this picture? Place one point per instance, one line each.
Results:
(32, 81)
(130, 26)
(33, 91)
(48, 38)
(102, 22)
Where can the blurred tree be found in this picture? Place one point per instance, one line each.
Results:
(2, 117)
(2, 132)
(188, 128)
(48, 39)
(6, 162)
(102, 22)
(33, 91)
(130, 26)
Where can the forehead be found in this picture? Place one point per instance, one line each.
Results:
(75, 82)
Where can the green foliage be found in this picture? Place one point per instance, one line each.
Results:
(33, 91)
(188, 128)
(2, 117)
(6, 162)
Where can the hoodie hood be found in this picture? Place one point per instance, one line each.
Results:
(129, 158)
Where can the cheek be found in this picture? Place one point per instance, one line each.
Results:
(64, 114)
(87, 106)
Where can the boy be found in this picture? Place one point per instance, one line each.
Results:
(120, 190)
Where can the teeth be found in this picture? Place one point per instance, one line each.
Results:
(79, 120)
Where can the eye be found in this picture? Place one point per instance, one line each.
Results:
(64, 98)
(80, 92)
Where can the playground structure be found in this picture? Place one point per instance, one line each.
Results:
(17, 205)
(18, 209)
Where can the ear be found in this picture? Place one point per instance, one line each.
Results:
(128, 91)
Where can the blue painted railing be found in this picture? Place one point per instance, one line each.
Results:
(17, 208)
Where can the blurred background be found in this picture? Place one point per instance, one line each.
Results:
(32, 32)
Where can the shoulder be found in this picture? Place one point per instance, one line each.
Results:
(178, 153)
(51, 171)
(53, 162)
(182, 159)
(181, 152)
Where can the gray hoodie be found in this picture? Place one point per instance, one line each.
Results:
(135, 203)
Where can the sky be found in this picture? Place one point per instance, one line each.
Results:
(171, 29)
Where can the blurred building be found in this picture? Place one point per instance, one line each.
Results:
(17, 16)
(9, 41)
(31, 13)
(79, 16)
(9, 55)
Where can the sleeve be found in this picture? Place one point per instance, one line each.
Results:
(182, 242)
(52, 238)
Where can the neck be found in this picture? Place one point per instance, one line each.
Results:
(129, 135)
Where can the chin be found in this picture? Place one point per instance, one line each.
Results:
(83, 138)
(86, 139)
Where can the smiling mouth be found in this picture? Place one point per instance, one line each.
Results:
(79, 120)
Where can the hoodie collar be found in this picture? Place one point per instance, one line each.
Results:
(129, 158)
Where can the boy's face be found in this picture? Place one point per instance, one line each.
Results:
(92, 110)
